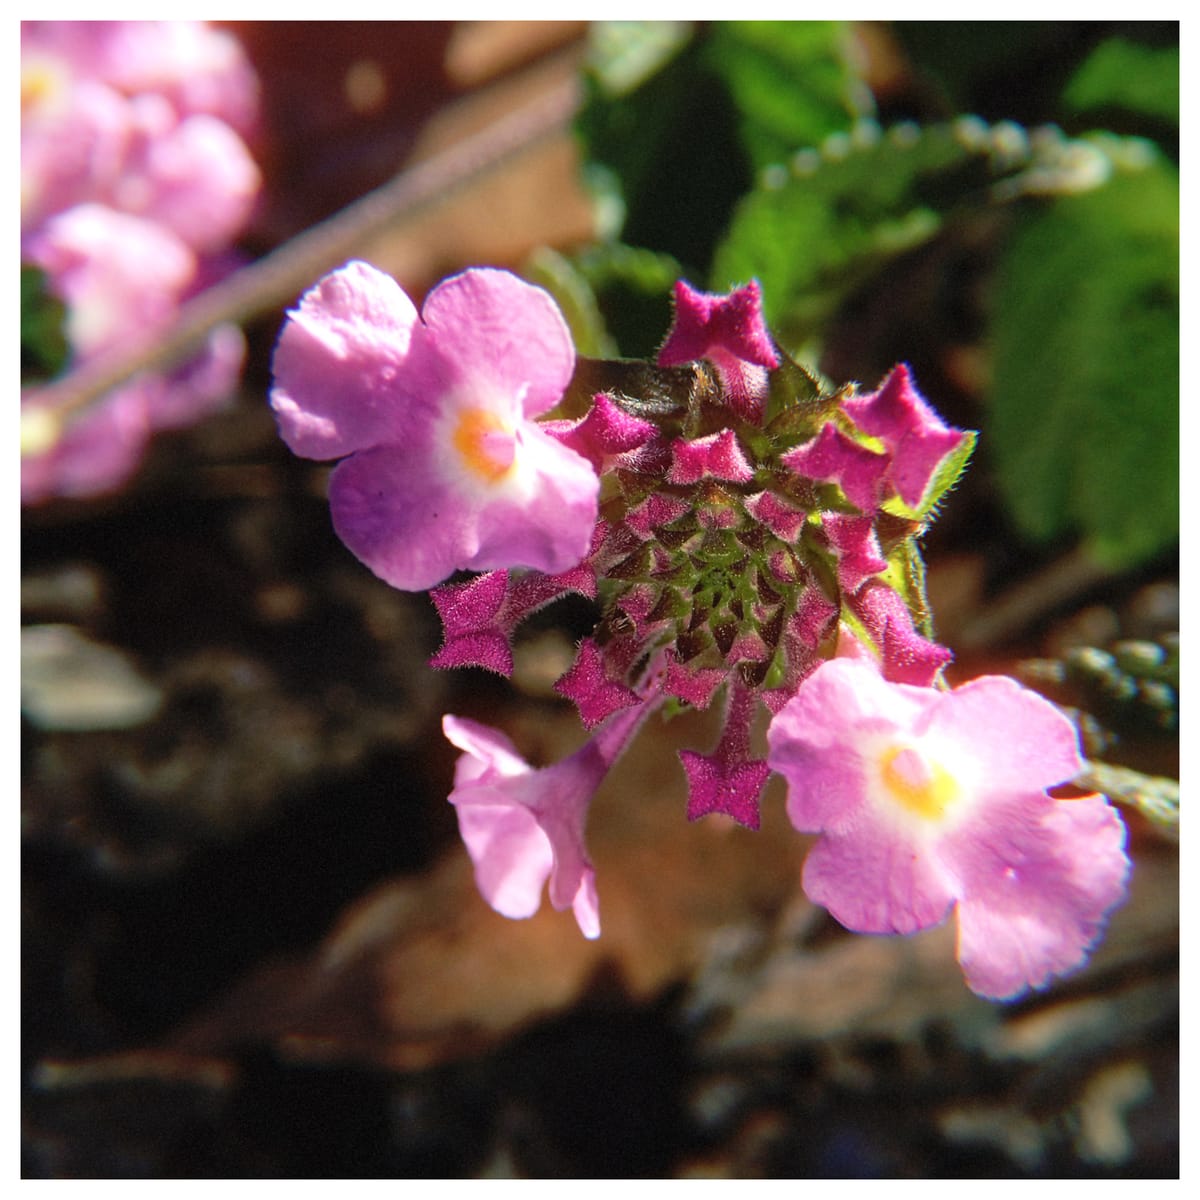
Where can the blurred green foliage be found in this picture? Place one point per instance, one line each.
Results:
(751, 149)
(44, 348)
(1122, 75)
(1085, 339)
(680, 120)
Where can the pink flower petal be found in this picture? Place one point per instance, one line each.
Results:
(496, 335)
(96, 453)
(874, 882)
(122, 277)
(546, 519)
(197, 179)
(392, 509)
(1035, 901)
(512, 856)
(523, 826)
(814, 739)
(339, 365)
(399, 512)
(1018, 740)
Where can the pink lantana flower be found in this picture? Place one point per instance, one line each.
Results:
(443, 465)
(929, 800)
(522, 826)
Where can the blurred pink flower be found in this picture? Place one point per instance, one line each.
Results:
(147, 117)
(443, 465)
(199, 68)
(101, 449)
(122, 279)
(928, 800)
(134, 182)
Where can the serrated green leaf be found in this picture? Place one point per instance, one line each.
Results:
(835, 219)
(1125, 75)
(1085, 401)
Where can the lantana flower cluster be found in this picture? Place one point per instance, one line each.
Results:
(135, 181)
(750, 539)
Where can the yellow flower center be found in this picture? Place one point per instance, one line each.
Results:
(486, 443)
(923, 788)
(42, 81)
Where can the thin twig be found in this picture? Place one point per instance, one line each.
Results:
(279, 276)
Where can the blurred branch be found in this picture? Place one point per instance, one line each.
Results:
(279, 276)
(1154, 796)
(1029, 601)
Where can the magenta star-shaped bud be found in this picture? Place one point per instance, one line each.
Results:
(604, 434)
(730, 332)
(472, 633)
(589, 688)
(916, 437)
(728, 780)
(784, 521)
(695, 686)
(832, 457)
(803, 634)
(654, 512)
(907, 656)
(716, 785)
(857, 546)
(717, 456)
